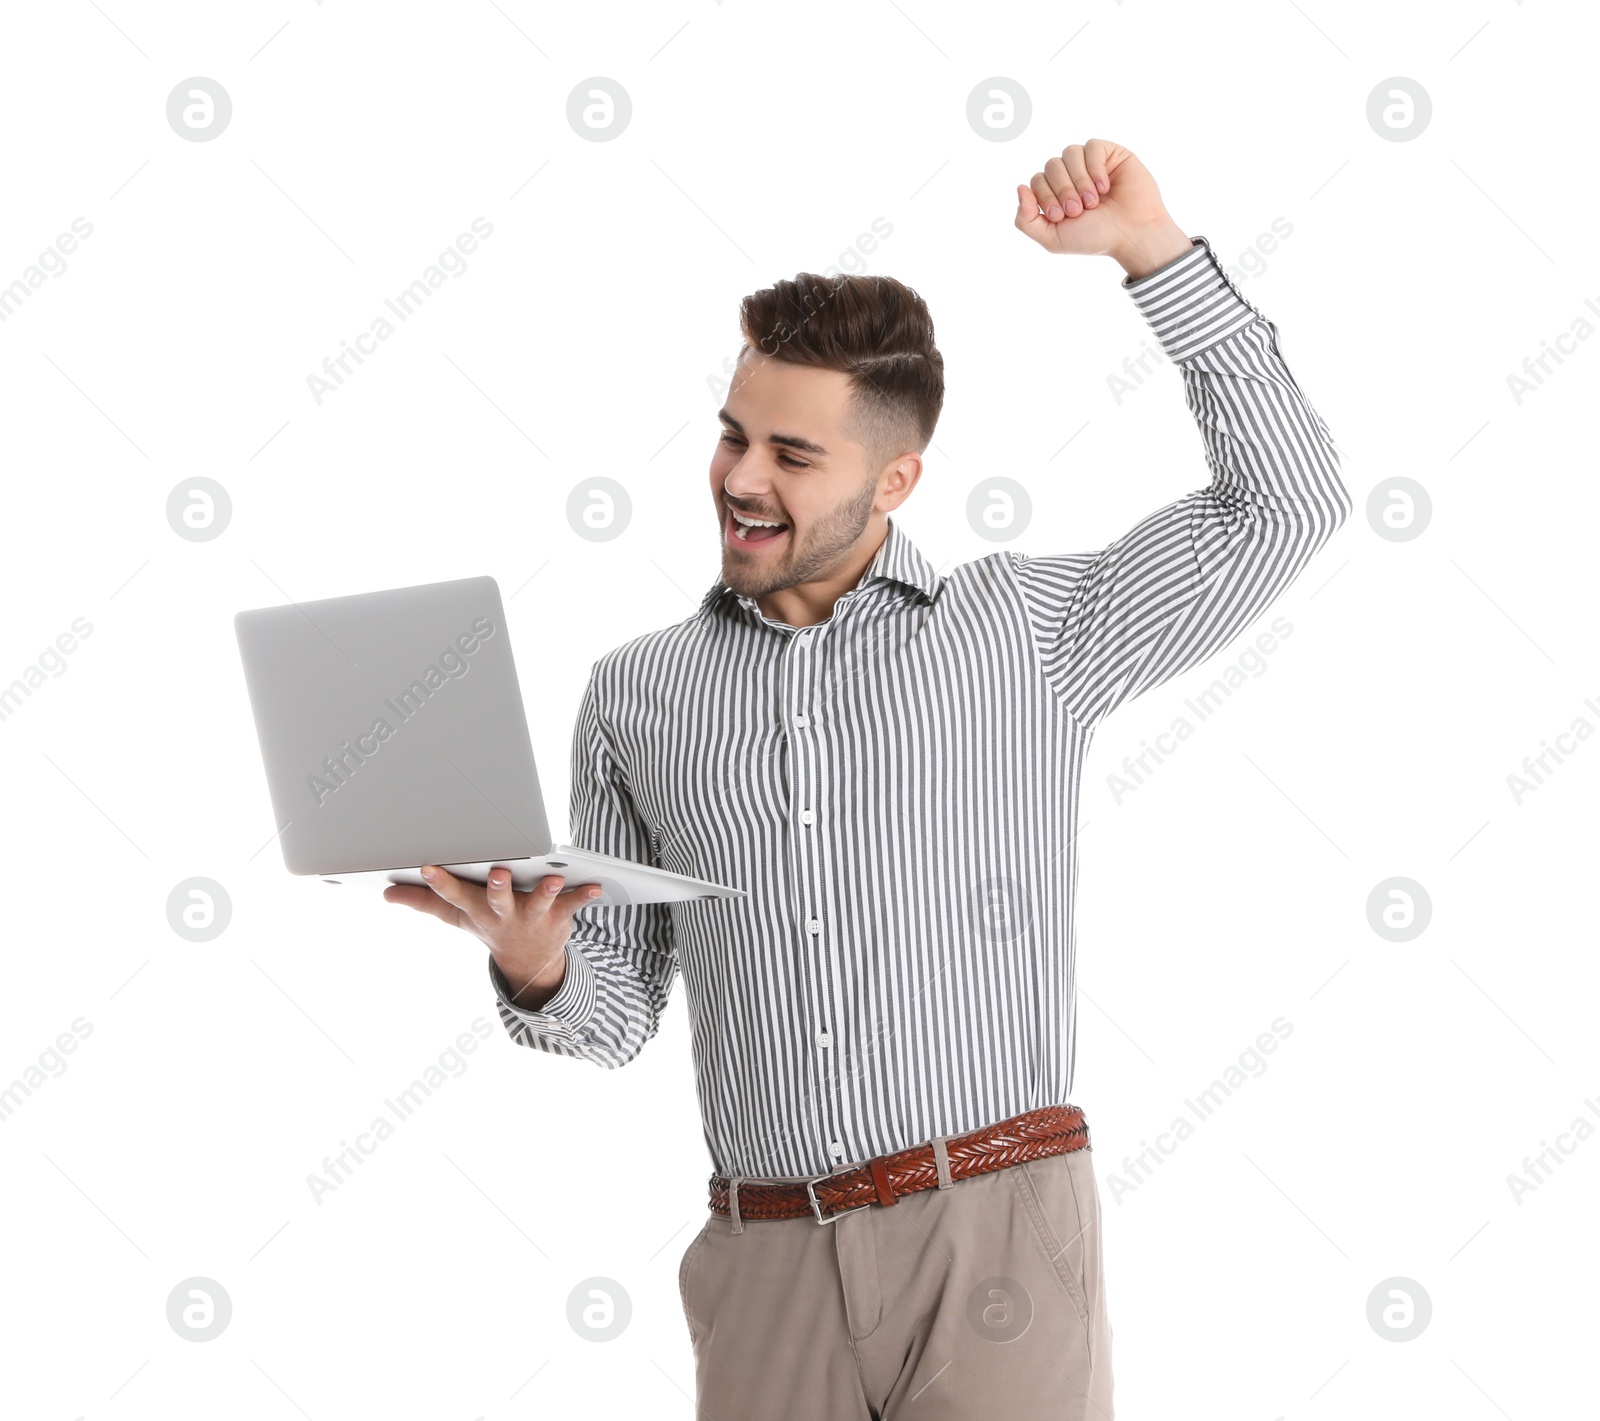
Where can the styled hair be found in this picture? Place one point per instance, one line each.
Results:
(872, 328)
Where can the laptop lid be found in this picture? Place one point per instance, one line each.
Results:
(392, 729)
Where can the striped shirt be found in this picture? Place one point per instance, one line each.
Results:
(897, 788)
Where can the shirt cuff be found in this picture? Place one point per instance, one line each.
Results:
(566, 1013)
(1190, 303)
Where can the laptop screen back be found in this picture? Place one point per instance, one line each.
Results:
(392, 729)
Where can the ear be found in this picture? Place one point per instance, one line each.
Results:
(898, 478)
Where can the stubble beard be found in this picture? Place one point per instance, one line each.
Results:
(827, 541)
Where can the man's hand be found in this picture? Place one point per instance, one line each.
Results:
(1097, 198)
(526, 932)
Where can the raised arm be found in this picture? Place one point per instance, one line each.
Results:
(1184, 581)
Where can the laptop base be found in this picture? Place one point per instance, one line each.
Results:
(623, 882)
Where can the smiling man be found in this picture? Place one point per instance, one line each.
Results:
(838, 386)
(904, 1220)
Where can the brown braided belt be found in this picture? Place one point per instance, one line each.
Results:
(1038, 1134)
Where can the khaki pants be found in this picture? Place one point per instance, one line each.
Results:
(984, 1299)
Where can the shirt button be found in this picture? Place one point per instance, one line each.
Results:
(814, 925)
(800, 721)
(836, 1150)
(824, 1039)
(806, 816)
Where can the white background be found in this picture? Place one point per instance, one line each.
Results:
(1229, 890)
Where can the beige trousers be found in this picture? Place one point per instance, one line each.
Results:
(984, 1299)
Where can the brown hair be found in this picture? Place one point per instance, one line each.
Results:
(873, 328)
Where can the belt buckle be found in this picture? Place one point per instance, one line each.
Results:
(816, 1203)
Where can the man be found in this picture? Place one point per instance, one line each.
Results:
(904, 1219)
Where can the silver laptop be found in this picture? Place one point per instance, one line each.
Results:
(393, 734)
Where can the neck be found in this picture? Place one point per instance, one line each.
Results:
(807, 603)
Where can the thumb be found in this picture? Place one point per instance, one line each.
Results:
(1029, 219)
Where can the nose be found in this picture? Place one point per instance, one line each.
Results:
(745, 487)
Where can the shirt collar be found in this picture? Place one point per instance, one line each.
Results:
(897, 560)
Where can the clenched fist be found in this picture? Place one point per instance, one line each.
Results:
(1097, 198)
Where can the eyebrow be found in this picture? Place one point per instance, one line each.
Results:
(792, 441)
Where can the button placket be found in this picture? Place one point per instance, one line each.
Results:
(816, 954)
(805, 646)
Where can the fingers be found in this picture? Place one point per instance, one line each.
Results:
(496, 899)
(1096, 161)
(424, 900)
(495, 909)
(1068, 187)
(501, 896)
(551, 895)
(568, 901)
(1067, 198)
(1077, 174)
(1054, 209)
(469, 897)
(1029, 218)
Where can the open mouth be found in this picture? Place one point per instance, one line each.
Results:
(745, 531)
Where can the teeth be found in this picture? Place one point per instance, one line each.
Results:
(742, 531)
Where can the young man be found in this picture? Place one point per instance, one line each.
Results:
(888, 761)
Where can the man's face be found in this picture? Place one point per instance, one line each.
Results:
(784, 458)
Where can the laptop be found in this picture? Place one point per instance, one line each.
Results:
(393, 735)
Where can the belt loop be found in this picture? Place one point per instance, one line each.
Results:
(941, 1162)
(733, 1203)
